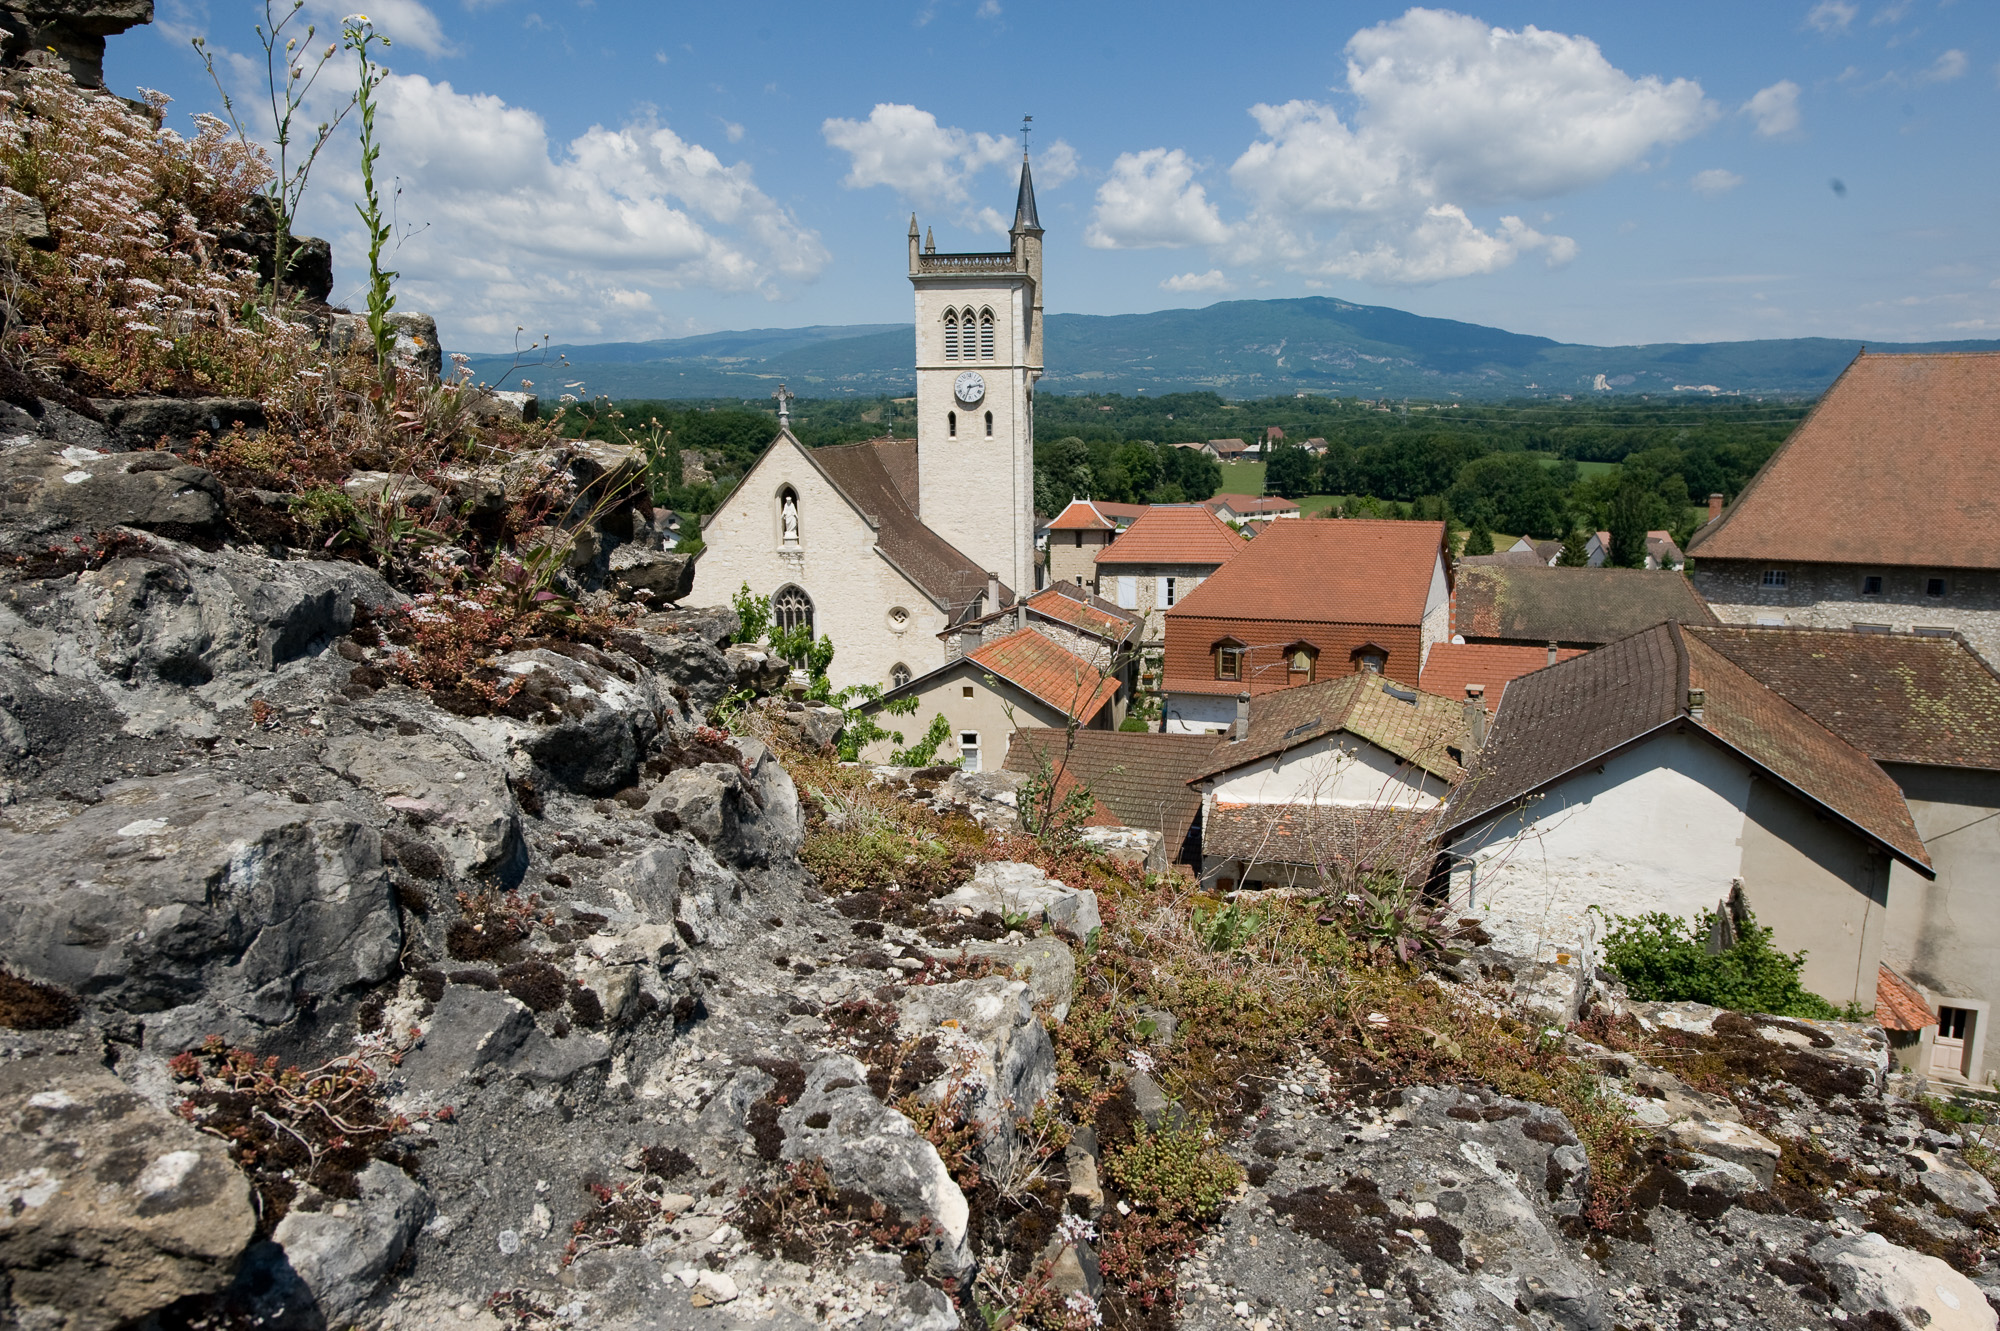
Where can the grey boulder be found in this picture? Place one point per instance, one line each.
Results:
(1880, 1281)
(656, 577)
(1010, 889)
(463, 804)
(147, 422)
(992, 1048)
(200, 904)
(48, 485)
(110, 1209)
(340, 1253)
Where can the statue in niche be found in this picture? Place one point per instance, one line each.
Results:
(791, 519)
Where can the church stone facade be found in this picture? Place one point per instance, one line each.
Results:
(892, 541)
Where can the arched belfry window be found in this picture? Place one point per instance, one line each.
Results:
(986, 335)
(951, 424)
(791, 608)
(951, 334)
(989, 425)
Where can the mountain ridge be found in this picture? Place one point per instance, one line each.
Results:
(1239, 348)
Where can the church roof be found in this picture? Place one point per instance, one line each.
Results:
(879, 477)
(1024, 205)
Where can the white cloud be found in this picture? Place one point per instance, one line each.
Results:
(1832, 16)
(1775, 109)
(1945, 68)
(404, 22)
(1715, 182)
(1890, 14)
(1186, 283)
(1151, 201)
(929, 164)
(732, 131)
(518, 231)
(989, 9)
(1055, 164)
(1449, 113)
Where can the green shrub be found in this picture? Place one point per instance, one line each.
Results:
(1173, 1173)
(1664, 959)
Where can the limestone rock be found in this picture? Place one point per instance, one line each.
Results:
(143, 422)
(67, 34)
(416, 349)
(48, 485)
(756, 669)
(1136, 848)
(389, 490)
(1951, 1184)
(462, 804)
(340, 1254)
(1733, 1142)
(714, 624)
(606, 723)
(110, 1209)
(811, 726)
(653, 576)
(1022, 889)
(1874, 1276)
(200, 903)
(1046, 964)
(24, 219)
(472, 1030)
(496, 405)
(868, 1146)
(993, 1043)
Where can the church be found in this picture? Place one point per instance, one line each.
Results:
(886, 546)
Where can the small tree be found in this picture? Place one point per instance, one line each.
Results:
(1478, 541)
(1575, 551)
(1629, 511)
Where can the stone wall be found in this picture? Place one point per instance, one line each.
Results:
(1150, 598)
(1829, 596)
(1070, 561)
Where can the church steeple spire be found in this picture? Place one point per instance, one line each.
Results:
(1024, 203)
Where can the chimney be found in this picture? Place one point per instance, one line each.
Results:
(1020, 614)
(1714, 507)
(1242, 731)
(1552, 651)
(1475, 715)
(993, 593)
(969, 639)
(1697, 701)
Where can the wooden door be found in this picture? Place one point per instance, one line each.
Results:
(1948, 1046)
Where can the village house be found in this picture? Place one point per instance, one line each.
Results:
(1073, 537)
(1878, 513)
(1226, 450)
(882, 545)
(1140, 777)
(1457, 669)
(1533, 605)
(1306, 601)
(1927, 710)
(1024, 679)
(1250, 508)
(1344, 772)
(1161, 558)
(1654, 774)
(1077, 621)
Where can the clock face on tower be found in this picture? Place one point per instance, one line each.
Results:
(970, 387)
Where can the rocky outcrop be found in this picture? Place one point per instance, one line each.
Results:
(66, 34)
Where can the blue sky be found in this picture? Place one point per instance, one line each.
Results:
(1589, 172)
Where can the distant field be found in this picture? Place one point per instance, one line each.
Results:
(1242, 478)
(1586, 470)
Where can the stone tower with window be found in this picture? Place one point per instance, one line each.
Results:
(979, 353)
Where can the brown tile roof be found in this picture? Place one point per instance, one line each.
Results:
(1081, 515)
(1174, 534)
(1660, 545)
(1570, 715)
(1897, 697)
(1898, 1005)
(1352, 571)
(1899, 463)
(1453, 665)
(1583, 607)
(1191, 642)
(1521, 558)
(1220, 445)
(1141, 778)
(1068, 604)
(1411, 725)
(1036, 664)
(873, 475)
(1315, 835)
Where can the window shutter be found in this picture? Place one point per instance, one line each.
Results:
(1160, 600)
(1128, 592)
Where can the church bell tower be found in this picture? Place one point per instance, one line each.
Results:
(979, 353)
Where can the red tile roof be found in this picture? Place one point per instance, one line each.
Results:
(1036, 664)
(1351, 571)
(1081, 515)
(1191, 642)
(1249, 505)
(1140, 777)
(1174, 534)
(1077, 608)
(1451, 666)
(1898, 1005)
(1906, 446)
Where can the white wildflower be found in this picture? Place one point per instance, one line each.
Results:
(1082, 1310)
(1074, 1228)
(1141, 1060)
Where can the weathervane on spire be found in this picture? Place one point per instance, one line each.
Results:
(1027, 123)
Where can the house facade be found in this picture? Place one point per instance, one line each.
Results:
(1927, 710)
(1653, 774)
(1161, 558)
(1877, 513)
(1075, 536)
(1306, 601)
(881, 545)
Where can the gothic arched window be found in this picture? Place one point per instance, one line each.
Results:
(986, 335)
(791, 608)
(899, 675)
(951, 424)
(989, 425)
(951, 334)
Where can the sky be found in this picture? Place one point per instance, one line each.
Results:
(604, 170)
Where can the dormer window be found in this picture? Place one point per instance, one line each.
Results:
(1871, 584)
(1229, 659)
(1370, 657)
(1301, 663)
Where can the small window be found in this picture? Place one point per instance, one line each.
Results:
(1872, 628)
(1167, 587)
(989, 425)
(951, 424)
(1934, 587)
(1079, 579)
(899, 675)
(968, 750)
(1079, 540)
(1871, 584)
(1934, 631)
(1777, 577)
(1372, 662)
(1229, 663)
(951, 335)
(968, 690)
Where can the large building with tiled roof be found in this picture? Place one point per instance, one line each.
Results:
(1162, 557)
(1656, 774)
(1306, 601)
(1881, 511)
(881, 545)
(1927, 710)
(1534, 605)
